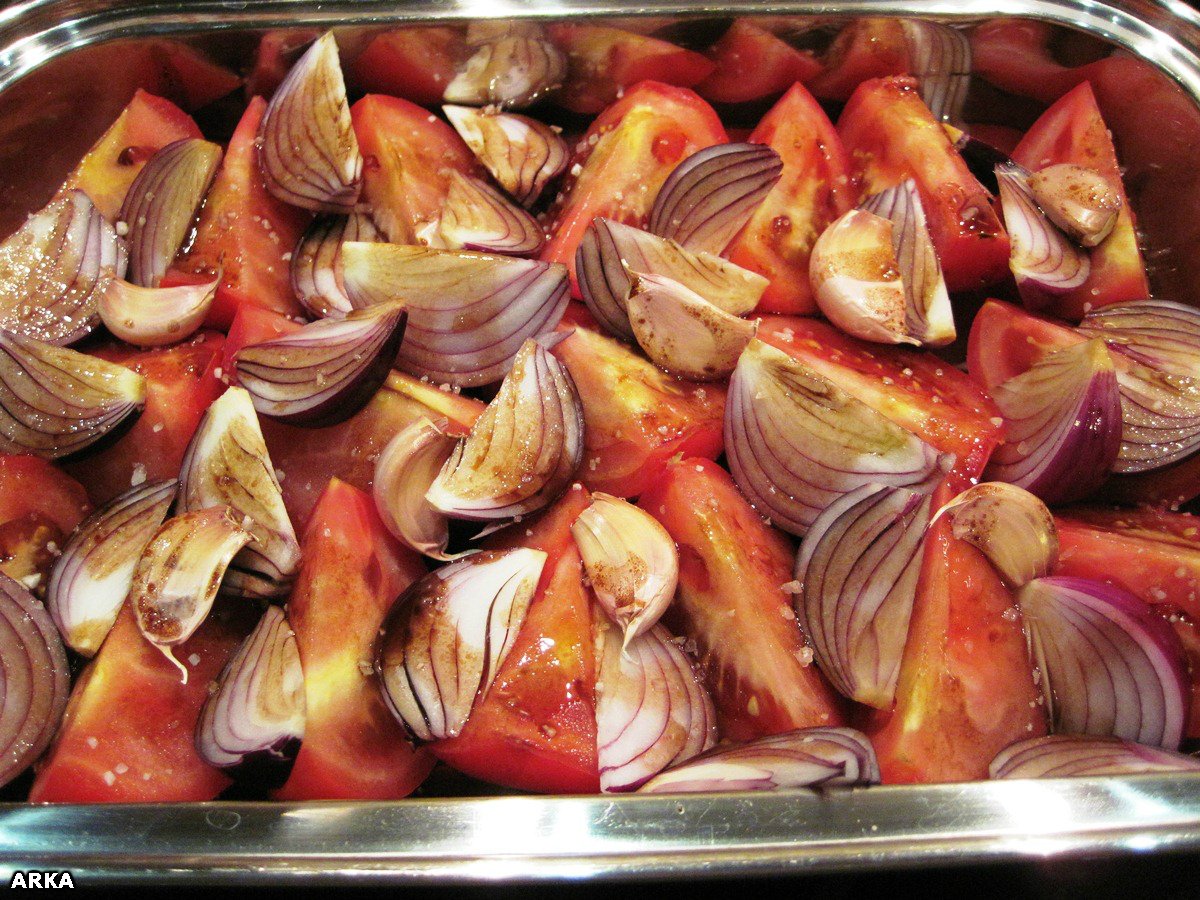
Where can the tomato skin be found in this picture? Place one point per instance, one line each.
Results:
(636, 417)
(243, 232)
(731, 602)
(535, 729)
(30, 485)
(891, 135)
(127, 736)
(966, 687)
(1073, 131)
(191, 77)
(352, 570)
(275, 55)
(1005, 341)
(1013, 54)
(624, 158)
(866, 48)
(413, 63)
(753, 64)
(815, 188)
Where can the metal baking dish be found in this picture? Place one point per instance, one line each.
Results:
(58, 91)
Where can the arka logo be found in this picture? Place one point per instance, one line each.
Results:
(35, 879)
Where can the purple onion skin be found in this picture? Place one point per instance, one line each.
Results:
(268, 768)
(1081, 756)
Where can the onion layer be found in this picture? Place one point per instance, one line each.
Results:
(155, 317)
(940, 57)
(522, 154)
(1069, 755)
(512, 69)
(475, 216)
(315, 267)
(1010, 526)
(406, 468)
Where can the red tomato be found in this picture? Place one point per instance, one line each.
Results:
(407, 153)
(1015, 55)
(864, 49)
(181, 382)
(106, 171)
(814, 190)
(603, 61)
(30, 485)
(252, 325)
(277, 52)
(624, 158)
(966, 687)
(353, 569)
(731, 602)
(1072, 131)
(413, 63)
(1006, 341)
(753, 64)
(891, 135)
(190, 76)
(636, 416)
(244, 232)
(916, 390)
(535, 729)
(128, 732)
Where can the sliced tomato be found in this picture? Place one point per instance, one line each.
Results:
(31, 485)
(1006, 340)
(252, 325)
(407, 153)
(731, 602)
(1016, 55)
(181, 382)
(865, 48)
(535, 729)
(277, 51)
(244, 233)
(815, 189)
(146, 125)
(1073, 131)
(916, 390)
(413, 63)
(753, 64)
(636, 416)
(352, 571)
(891, 135)
(966, 687)
(128, 732)
(189, 76)
(624, 158)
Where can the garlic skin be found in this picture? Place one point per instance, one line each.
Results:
(1080, 201)
(1010, 526)
(630, 560)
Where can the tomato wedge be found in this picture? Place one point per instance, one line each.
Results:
(1006, 340)
(413, 63)
(353, 569)
(753, 64)
(815, 189)
(277, 52)
(29, 485)
(891, 135)
(731, 602)
(866, 48)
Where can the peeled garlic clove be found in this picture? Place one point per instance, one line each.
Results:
(404, 471)
(1010, 526)
(1080, 201)
(630, 560)
(521, 153)
(155, 317)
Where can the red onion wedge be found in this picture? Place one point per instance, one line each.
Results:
(1010, 526)
(447, 636)
(812, 758)
(796, 442)
(940, 57)
(511, 69)
(609, 251)
(682, 332)
(315, 267)
(54, 268)
(1043, 260)
(522, 154)
(326, 371)
(652, 709)
(709, 196)
(309, 154)
(475, 216)
(1079, 756)
(406, 468)
(155, 317)
(56, 403)
(91, 579)
(178, 573)
(522, 451)
(1063, 424)
(1109, 664)
(1080, 201)
(227, 464)
(468, 313)
(253, 724)
(34, 682)
(857, 572)
(162, 203)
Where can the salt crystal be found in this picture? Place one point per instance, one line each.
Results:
(194, 659)
(139, 474)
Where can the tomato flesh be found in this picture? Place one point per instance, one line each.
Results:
(866, 48)
(753, 64)
(29, 485)
(413, 63)
(1006, 341)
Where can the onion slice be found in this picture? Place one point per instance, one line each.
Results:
(1010, 526)
(1080, 201)
(1078, 756)
(511, 69)
(522, 154)
(315, 266)
(406, 468)
(806, 758)
(91, 579)
(155, 317)
(468, 313)
(309, 154)
(475, 216)
(796, 442)
(57, 403)
(447, 636)
(54, 268)
(36, 679)
(1063, 424)
(1110, 666)
(857, 569)
(162, 204)
(940, 57)
(253, 723)
(709, 196)
(227, 464)
(652, 710)
(326, 371)
(522, 451)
